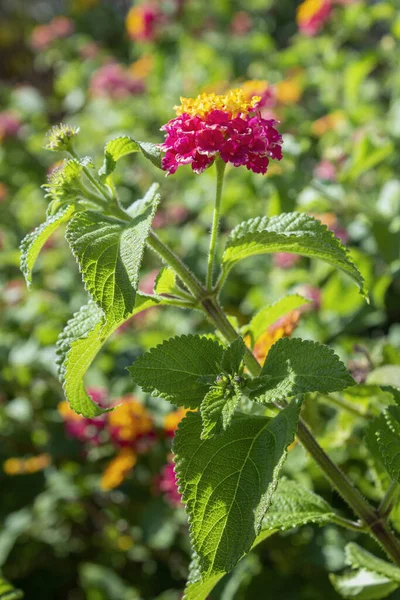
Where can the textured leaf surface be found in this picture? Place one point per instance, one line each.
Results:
(227, 482)
(124, 145)
(357, 557)
(32, 244)
(270, 314)
(297, 233)
(175, 369)
(233, 356)
(296, 366)
(109, 253)
(293, 505)
(79, 344)
(388, 438)
(217, 410)
(363, 585)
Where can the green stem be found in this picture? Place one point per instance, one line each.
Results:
(172, 260)
(390, 500)
(99, 187)
(351, 408)
(352, 525)
(220, 166)
(370, 517)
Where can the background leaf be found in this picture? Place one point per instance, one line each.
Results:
(122, 146)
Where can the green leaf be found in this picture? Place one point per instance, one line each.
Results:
(293, 505)
(122, 146)
(8, 592)
(362, 585)
(357, 557)
(78, 346)
(174, 369)
(270, 314)
(217, 410)
(165, 282)
(109, 253)
(297, 233)
(32, 244)
(233, 356)
(388, 437)
(295, 366)
(227, 482)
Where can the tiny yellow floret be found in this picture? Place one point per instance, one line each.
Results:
(234, 102)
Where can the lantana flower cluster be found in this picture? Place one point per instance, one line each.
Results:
(229, 126)
(131, 430)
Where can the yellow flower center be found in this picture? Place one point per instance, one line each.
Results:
(234, 102)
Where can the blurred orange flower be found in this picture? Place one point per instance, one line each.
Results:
(25, 466)
(283, 327)
(329, 121)
(172, 420)
(118, 469)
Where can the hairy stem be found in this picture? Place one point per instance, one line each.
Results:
(345, 405)
(370, 517)
(220, 166)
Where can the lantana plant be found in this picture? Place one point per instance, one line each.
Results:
(242, 416)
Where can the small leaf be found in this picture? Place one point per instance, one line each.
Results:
(357, 557)
(217, 410)
(109, 253)
(78, 346)
(270, 314)
(293, 505)
(165, 282)
(227, 482)
(297, 233)
(296, 366)
(233, 356)
(387, 431)
(122, 146)
(8, 592)
(173, 370)
(34, 241)
(362, 585)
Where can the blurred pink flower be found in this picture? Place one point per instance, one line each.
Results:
(241, 23)
(43, 36)
(147, 282)
(313, 294)
(173, 214)
(10, 124)
(114, 81)
(312, 15)
(168, 484)
(285, 260)
(325, 170)
(86, 429)
(142, 20)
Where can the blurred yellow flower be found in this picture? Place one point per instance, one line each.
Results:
(330, 121)
(172, 420)
(130, 420)
(142, 67)
(288, 91)
(254, 87)
(284, 327)
(24, 466)
(118, 469)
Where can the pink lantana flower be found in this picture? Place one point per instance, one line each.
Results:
(312, 15)
(229, 126)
